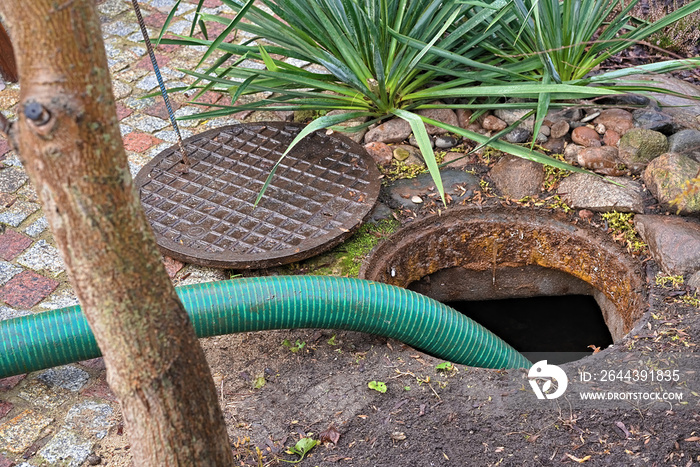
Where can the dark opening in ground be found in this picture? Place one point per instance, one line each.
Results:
(558, 329)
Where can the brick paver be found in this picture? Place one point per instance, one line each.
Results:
(12, 244)
(27, 289)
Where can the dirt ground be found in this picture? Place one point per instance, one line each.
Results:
(274, 394)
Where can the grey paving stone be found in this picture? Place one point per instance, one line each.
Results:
(148, 83)
(120, 90)
(138, 103)
(66, 377)
(60, 299)
(8, 271)
(186, 111)
(8, 313)
(125, 129)
(17, 213)
(37, 227)
(147, 124)
(42, 256)
(171, 137)
(11, 179)
(113, 7)
(90, 417)
(221, 121)
(194, 274)
(66, 449)
(120, 28)
(154, 151)
(180, 27)
(11, 160)
(39, 394)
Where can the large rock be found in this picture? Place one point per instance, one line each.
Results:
(584, 191)
(356, 136)
(391, 131)
(668, 177)
(685, 142)
(380, 152)
(602, 160)
(457, 183)
(674, 242)
(586, 137)
(516, 177)
(618, 120)
(441, 115)
(511, 116)
(653, 120)
(638, 147)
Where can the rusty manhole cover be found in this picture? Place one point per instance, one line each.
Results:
(319, 195)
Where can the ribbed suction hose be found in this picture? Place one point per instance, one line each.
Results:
(57, 337)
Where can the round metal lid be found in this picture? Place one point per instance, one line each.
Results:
(320, 194)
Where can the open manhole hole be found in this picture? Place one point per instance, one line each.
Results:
(320, 194)
(548, 287)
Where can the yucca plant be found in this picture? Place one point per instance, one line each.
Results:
(572, 37)
(384, 58)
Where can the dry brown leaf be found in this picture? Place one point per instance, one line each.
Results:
(693, 438)
(331, 435)
(577, 459)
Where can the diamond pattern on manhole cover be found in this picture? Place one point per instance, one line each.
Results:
(320, 194)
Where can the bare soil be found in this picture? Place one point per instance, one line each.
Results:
(466, 416)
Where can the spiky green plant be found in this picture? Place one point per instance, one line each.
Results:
(384, 58)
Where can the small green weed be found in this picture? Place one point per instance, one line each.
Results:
(297, 346)
(377, 386)
(664, 281)
(554, 175)
(622, 227)
(400, 170)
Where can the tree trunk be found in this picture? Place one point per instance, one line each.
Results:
(68, 138)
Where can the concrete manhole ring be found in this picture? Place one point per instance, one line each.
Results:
(495, 253)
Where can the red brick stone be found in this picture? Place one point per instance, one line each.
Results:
(4, 146)
(172, 266)
(167, 48)
(27, 289)
(207, 3)
(5, 462)
(5, 408)
(155, 19)
(208, 98)
(12, 244)
(146, 63)
(8, 383)
(94, 363)
(100, 390)
(123, 111)
(159, 110)
(139, 142)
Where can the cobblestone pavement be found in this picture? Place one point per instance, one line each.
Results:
(67, 415)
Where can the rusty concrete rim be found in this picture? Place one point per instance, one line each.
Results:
(321, 193)
(491, 238)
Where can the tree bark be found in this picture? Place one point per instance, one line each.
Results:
(68, 139)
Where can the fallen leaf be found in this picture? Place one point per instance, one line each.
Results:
(398, 436)
(693, 438)
(595, 349)
(576, 459)
(622, 427)
(331, 435)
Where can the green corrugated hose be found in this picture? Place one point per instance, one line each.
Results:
(57, 337)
